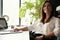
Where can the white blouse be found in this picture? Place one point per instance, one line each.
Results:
(52, 26)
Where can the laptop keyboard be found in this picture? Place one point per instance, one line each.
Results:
(8, 32)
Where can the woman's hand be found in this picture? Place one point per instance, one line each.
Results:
(16, 29)
(39, 38)
(23, 29)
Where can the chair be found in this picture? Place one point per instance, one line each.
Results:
(58, 38)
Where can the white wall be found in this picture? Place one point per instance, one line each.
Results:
(11, 8)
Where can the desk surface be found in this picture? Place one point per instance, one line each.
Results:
(16, 36)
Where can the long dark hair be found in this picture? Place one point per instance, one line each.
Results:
(44, 14)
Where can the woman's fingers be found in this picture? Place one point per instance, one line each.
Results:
(16, 29)
(38, 38)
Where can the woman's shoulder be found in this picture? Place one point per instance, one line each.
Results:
(55, 18)
(39, 20)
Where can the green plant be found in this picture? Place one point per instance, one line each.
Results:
(22, 12)
(30, 5)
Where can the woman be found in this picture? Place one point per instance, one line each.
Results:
(47, 25)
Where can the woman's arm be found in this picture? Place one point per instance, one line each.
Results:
(47, 36)
(50, 35)
(57, 27)
(56, 31)
(23, 29)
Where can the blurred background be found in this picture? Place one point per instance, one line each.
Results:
(24, 12)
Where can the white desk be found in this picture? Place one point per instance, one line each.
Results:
(15, 36)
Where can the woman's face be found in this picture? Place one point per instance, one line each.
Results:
(47, 8)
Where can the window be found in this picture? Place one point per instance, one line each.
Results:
(1, 7)
(27, 18)
(11, 8)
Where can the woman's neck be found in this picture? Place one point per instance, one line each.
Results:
(47, 16)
